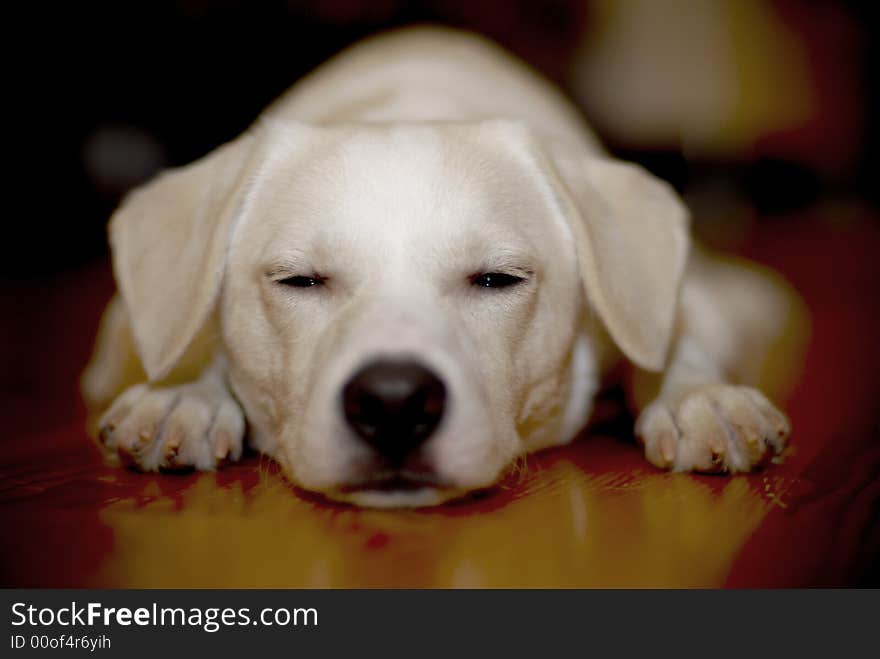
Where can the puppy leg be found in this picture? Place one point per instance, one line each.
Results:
(701, 415)
(114, 365)
(197, 424)
(698, 422)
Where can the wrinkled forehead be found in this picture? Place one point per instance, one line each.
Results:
(428, 184)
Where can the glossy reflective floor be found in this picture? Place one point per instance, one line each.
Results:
(590, 514)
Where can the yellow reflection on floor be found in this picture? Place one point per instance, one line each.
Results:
(560, 527)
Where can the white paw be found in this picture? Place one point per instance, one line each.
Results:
(715, 428)
(191, 425)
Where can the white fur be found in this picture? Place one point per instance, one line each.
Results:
(397, 170)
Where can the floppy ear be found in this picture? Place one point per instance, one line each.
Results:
(631, 235)
(169, 241)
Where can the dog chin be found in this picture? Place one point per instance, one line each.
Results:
(419, 497)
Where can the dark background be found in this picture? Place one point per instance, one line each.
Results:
(135, 85)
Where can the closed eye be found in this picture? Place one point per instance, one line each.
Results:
(302, 281)
(495, 280)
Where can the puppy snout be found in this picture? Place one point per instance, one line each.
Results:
(394, 406)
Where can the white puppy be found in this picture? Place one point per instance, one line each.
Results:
(414, 268)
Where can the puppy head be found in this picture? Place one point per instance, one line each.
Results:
(399, 305)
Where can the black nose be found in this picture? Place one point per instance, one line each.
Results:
(394, 406)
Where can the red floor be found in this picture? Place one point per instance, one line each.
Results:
(590, 514)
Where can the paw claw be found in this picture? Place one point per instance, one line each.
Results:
(105, 434)
(126, 458)
(667, 448)
(221, 446)
(171, 451)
